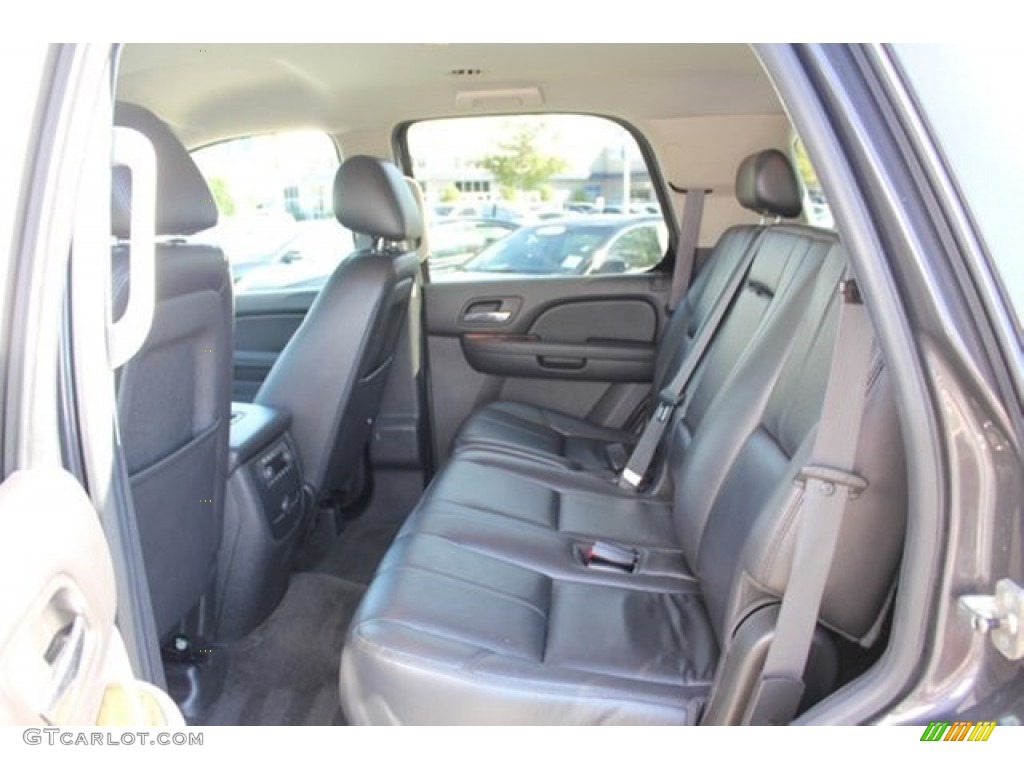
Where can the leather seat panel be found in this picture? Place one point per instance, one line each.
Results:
(585, 508)
(473, 626)
(653, 636)
(659, 567)
(542, 435)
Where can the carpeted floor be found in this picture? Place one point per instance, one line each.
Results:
(286, 671)
(356, 553)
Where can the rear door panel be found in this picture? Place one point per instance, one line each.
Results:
(583, 346)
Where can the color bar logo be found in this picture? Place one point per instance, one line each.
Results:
(964, 730)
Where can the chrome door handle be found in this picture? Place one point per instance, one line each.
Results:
(491, 317)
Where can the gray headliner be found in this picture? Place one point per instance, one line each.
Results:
(209, 92)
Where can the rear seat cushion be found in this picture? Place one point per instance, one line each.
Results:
(517, 489)
(452, 636)
(522, 513)
(545, 434)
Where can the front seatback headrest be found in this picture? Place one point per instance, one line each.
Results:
(372, 197)
(766, 184)
(184, 202)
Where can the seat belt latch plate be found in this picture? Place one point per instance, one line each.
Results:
(827, 480)
(630, 478)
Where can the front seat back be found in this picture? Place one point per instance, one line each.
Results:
(174, 396)
(331, 374)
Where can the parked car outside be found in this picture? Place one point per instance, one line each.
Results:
(454, 241)
(308, 258)
(591, 245)
(252, 240)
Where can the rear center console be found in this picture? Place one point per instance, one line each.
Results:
(264, 517)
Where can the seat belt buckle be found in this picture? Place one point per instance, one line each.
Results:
(668, 401)
(613, 557)
(828, 479)
(618, 456)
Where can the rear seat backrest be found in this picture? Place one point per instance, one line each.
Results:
(765, 183)
(700, 299)
(736, 501)
(788, 257)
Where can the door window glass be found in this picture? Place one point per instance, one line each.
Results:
(561, 192)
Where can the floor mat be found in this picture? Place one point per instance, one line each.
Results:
(285, 672)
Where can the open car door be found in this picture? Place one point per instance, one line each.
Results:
(74, 636)
(62, 660)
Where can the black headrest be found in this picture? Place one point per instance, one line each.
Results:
(372, 197)
(184, 202)
(766, 184)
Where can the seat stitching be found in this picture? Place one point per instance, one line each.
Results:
(568, 577)
(476, 585)
(789, 518)
(564, 535)
(498, 512)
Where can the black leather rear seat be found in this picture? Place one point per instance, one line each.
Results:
(484, 610)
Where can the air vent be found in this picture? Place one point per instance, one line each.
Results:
(465, 72)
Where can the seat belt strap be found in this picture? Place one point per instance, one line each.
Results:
(672, 395)
(829, 484)
(686, 247)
